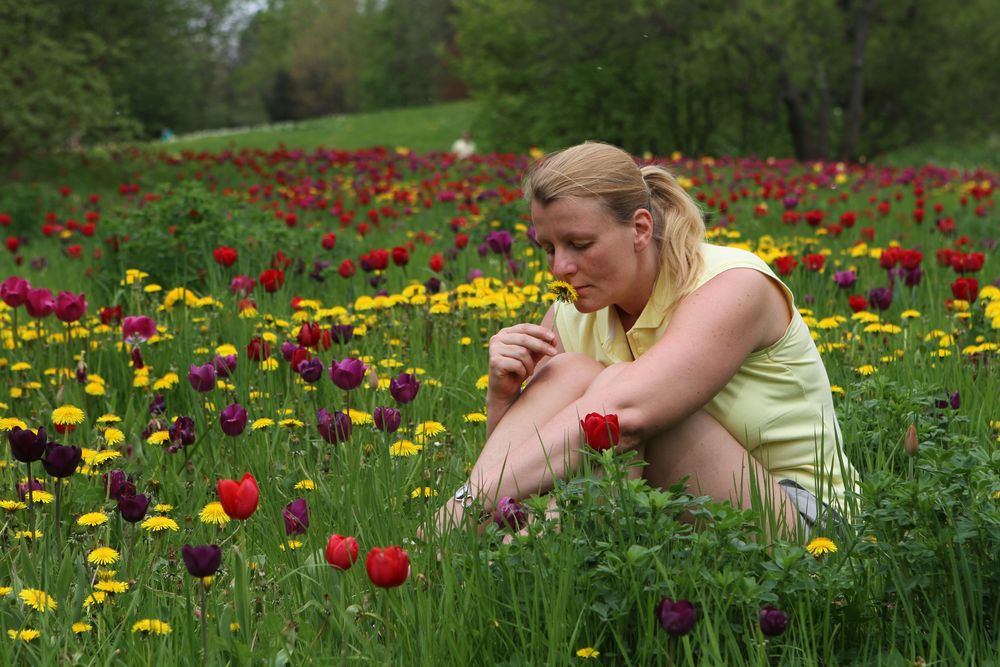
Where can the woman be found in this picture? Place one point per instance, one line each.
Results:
(698, 349)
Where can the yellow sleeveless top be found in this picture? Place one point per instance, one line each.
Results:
(778, 405)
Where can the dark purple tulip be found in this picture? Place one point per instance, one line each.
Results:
(242, 285)
(499, 242)
(386, 419)
(14, 291)
(133, 508)
(677, 618)
(233, 419)
(310, 370)
(296, 516)
(138, 329)
(61, 460)
(39, 302)
(483, 249)
(25, 445)
(790, 202)
(404, 387)
(81, 372)
(773, 621)
(158, 405)
(333, 426)
(182, 432)
(954, 401)
(137, 361)
(34, 484)
(70, 307)
(911, 277)
(201, 561)
(347, 374)
(225, 366)
(510, 514)
(288, 349)
(202, 378)
(880, 298)
(845, 279)
(114, 482)
(341, 333)
(432, 285)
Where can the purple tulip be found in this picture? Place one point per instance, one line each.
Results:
(499, 242)
(773, 621)
(241, 285)
(341, 333)
(880, 298)
(954, 401)
(404, 387)
(432, 285)
(138, 329)
(347, 374)
(845, 279)
(225, 366)
(114, 482)
(39, 302)
(158, 405)
(911, 277)
(296, 516)
(288, 349)
(790, 202)
(181, 433)
(202, 561)
(137, 361)
(233, 419)
(202, 378)
(333, 426)
(14, 291)
(81, 371)
(677, 618)
(25, 445)
(510, 514)
(473, 274)
(33, 484)
(310, 370)
(70, 307)
(133, 508)
(61, 460)
(386, 419)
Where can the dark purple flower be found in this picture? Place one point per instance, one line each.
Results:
(61, 460)
(233, 419)
(201, 561)
(432, 285)
(499, 242)
(296, 516)
(242, 285)
(25, 445)
(158, 405)
(133, 508)
(347, 374)
(845, 279)
(138, 329)
(182, 432)
(677, 618)
(33, 484)
(14, 291)
(880, 298)
(114, 482)
(333, 426)
(341, 333)
(773, 621)
(137, 361)
(510, 514)
(202, 378)
(386, 419)
(790, 202)
(225, 366)
(953, 400)
(911, 277)
(404, 387)
(310, 370)
(288, 349)
(39, 302)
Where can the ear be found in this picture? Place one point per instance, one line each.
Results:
(642, 225)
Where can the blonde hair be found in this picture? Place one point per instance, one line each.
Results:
(600, 171)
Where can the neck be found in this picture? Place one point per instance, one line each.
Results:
(630, 308)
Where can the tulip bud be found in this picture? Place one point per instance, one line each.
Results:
(910, 442)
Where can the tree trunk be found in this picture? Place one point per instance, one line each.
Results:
(798, 125)
(823, 114)
(855, 111)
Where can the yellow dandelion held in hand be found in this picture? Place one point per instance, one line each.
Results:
(102, 556)
(563, 291)
(819, 546)
(38, 600)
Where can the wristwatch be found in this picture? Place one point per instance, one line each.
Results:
(464, 495)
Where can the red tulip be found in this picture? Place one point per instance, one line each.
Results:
(272, 279)
(388, 567)
(346, 269)
(436, 263)
(239, 499)
(329, 241)
(785, 265)
(400, 256)
(600, 431)
(966, 289)
(225, 256)
(341, 552)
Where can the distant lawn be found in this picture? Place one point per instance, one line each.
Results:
(421, 129)
(956, 153)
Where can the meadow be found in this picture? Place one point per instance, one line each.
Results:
(317, 318)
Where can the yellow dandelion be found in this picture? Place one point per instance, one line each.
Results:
(563, 291)
(157, 524)
(269, 364)
(465, 340)
(423, 491)
(43, 497)
(97, 597)
(909, 314)
(102, 556)
(25, 634)
(404, 448)
(152, 626)
(5, 591)
(291, 544)
(104, 456)
(21, 366)
(306, 485)
(111, 586)
(12, 505)
(836, 389)
(106, 575)
(163, 507)
(475, 418)
(360, 417)
(80, 627)
(109, 418)
(94, 389)
(38, 600)
(67, 414)
(28, 535)
(263, 422)
(865, 370)
(430, 429)
(234, 627)
(483, 382)
(8, 424)
(587, 653)
(821, 545)
(158, 438)
(291, 423)
(213, 514)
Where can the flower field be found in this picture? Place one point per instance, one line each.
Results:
(236, 384)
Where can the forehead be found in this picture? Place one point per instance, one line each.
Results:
(565, 216)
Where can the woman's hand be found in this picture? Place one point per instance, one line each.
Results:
(515, 353)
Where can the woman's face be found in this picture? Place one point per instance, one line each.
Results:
(587, 248)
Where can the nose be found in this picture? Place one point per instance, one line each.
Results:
(562, 265)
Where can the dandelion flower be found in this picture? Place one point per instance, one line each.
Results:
(263, 422)
(152, 626)
(359, 417)
(105, 575)
(587, 653)
(12, 505)
(292, 545)
(163, 508)
(475, 418)
(157, 524)
(67, 415)
(8, 424)
(25, 634)
(111, 586)
(483, 382)
(97, 597)
(102, 556)
(43, 497)
(425, 491)
(866, 370)
(821, 545)
(213, 513)
(306, 485)
(38, 600)
(563, 291)
(158, 438)
(80, 627)
(109, 418)
(5, 591)
(28, 535)
(291, 423)
(404, 448)
(113, 436)
(430, 429)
